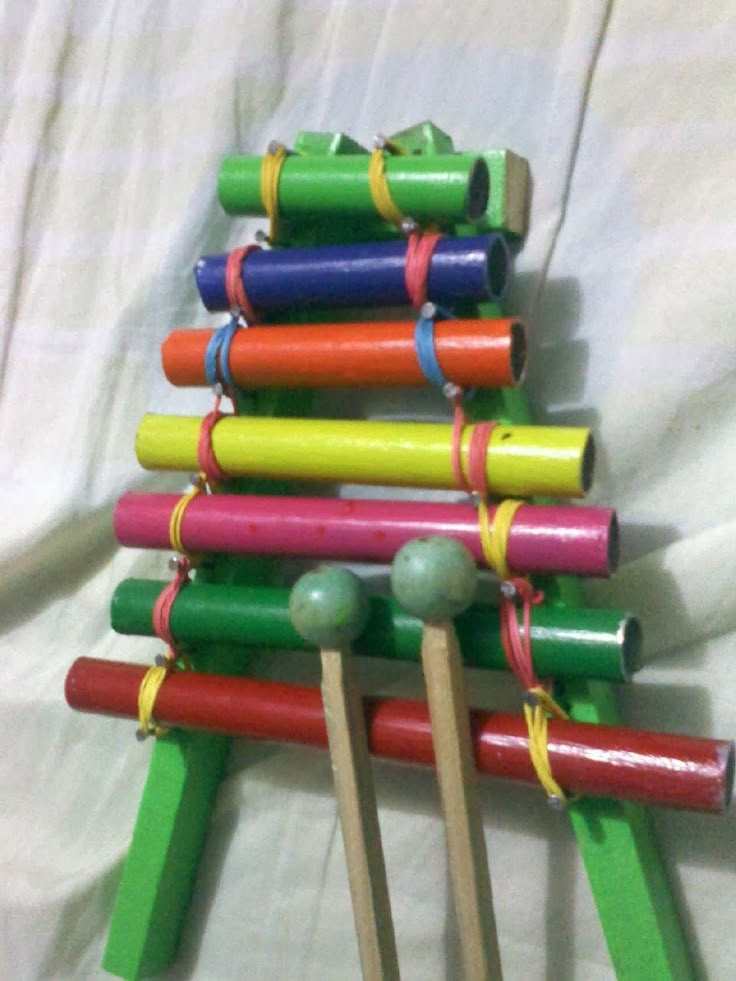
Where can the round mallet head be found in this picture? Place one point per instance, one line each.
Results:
(328, 606)
(434, 579)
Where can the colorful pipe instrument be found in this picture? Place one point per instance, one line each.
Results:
(594, 760)
(575, 642)
(521, 461)
(470, 353)
(542, 539)
(450, 187)
(362, 274)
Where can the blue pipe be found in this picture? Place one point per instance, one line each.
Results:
(364, 274)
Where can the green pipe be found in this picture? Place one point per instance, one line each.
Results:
(453, 187)
(566, 643)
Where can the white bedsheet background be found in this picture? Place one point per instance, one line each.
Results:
(114, 118)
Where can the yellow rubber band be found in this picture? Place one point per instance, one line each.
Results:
(177, 515)
(494, 536)
(378, 185)
(537, 720)
(273, 161)
(147, 694)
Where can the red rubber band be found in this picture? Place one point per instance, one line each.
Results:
(477, 457)
(518, 649)
(205, 454)
(480, 437)
(458, 425)
(419, 249)
(236, 294)
(161, 615)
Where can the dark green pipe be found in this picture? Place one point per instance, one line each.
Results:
(446, 188)
(566, 643)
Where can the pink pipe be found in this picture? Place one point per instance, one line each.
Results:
(542, 540)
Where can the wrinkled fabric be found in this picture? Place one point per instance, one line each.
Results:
(113, 121)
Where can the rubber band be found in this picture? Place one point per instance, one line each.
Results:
(205, 452)
(161, 615)
(476, 481)
(539, 704)
(378, 184)
(419, 250)
(494, 536)
(458, 426)
(537, 722)
(426, 352)
(217, 355)
(147, 694)
(273, 161)
(234, 286)
(177, 515)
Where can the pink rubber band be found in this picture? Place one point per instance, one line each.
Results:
(236, 294)
(161, 615)
(419, 249)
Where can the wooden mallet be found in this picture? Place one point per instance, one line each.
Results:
(328, 607)
(435, 579)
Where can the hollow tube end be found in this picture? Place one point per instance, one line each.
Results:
(518, 352)
(630, 638)
(614, 544)
(497, 266)
(587, 464)
(479, 189)
(728, 775)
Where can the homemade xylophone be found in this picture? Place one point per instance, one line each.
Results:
(413, 224)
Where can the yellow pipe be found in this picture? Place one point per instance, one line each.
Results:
(521, 460)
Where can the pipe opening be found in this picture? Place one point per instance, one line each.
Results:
(518, 351)
(728, 777)
(630, 635)
(497, 266)
(614, 544)
(587, 466)
(479, 184)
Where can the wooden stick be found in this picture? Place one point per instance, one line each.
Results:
(328, 606)
(351, 770)
(435, 579)
(466, 844)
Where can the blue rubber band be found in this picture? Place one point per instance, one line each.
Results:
(426, 352)
(219, 344)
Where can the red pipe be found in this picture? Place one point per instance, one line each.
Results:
(598, 761)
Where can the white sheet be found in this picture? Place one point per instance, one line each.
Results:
(114, 118)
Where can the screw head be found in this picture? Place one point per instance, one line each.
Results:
(556, 802)
(428, 311)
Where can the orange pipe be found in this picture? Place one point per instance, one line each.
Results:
(471, 353)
